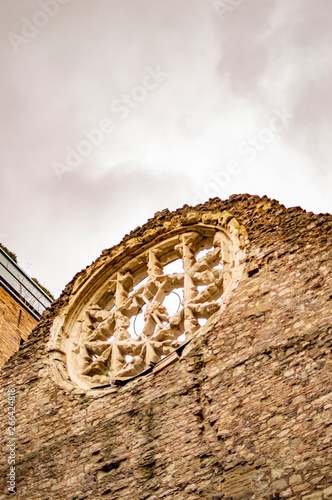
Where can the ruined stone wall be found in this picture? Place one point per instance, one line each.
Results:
(244, 413)
(16, 323)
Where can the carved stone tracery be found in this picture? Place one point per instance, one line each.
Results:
(105, 344)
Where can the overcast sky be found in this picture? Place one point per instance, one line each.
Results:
(114, 110)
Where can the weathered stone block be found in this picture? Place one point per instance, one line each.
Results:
(279, 484)
(275, 420)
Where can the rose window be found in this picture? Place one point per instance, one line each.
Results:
(150, 306)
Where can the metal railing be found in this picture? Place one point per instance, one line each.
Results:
(25, 290)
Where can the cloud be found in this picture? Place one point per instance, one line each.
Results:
(277, 54)
(70, 223)
(225, 79)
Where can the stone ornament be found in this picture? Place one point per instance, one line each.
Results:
(146, 298)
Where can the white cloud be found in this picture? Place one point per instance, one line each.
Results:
(225, 79)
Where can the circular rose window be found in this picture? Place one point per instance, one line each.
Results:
(145, 301)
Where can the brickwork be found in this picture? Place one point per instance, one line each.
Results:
(244, 413)
(16, 323)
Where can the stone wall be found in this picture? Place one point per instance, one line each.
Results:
(244, 413)
(16, 323)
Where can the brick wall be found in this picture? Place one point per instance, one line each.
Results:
(245, 413)
(16, 323)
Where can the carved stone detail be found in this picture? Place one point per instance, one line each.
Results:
(102, 342)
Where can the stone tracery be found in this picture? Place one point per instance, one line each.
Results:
(160, 335)
(105, 343)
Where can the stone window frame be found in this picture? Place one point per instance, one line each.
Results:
(95, 286)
